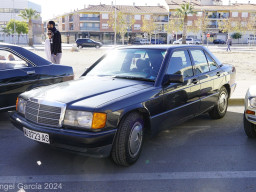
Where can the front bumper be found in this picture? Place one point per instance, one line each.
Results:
(97, 144)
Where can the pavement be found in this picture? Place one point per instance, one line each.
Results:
(200, 155)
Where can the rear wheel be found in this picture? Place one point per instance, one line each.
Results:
(249, 128)
(128, 141)
(220, 108)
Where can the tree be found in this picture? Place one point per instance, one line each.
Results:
(122, 24)
(228, 25)
(6, 31)
(149, 26)
(174, 26)
(184, 11)
(236, 36)
(20, 27)
(251, 26)
(29, 14)
(201, 24)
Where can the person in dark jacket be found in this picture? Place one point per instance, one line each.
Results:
(229, 43)
(56, 50)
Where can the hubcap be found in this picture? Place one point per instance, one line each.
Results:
(135, 139)
(222, 102)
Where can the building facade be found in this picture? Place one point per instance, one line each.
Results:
(10, 9)
(93, 22)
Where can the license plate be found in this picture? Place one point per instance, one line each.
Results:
(37, 136)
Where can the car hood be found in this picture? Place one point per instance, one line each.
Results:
(88, 91)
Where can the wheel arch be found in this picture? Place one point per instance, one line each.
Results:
(227, 86)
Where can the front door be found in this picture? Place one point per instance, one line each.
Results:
(181, 100)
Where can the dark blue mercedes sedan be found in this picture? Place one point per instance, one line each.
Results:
(21, 70)
(126, 93)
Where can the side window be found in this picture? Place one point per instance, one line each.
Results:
(10, 61)
(180, 64)
(201, 64)
(213, 64)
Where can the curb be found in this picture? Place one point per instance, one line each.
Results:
(236, 101)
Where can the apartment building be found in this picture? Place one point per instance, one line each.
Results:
(93, 22)
(215, 14)
(10, 9)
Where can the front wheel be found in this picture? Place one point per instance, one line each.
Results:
(80, 46)
(249, 128)
(220, 109)
(128, 141)
(97, 46)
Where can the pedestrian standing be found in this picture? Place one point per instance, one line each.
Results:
(56, 50)
(229, 43)
(47, 46)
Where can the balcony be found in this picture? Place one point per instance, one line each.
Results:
(212, 26)
(90, 28)
(89, 18)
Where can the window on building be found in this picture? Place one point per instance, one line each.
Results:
(104, 16)
(234, 14)
(104, 26)
(147, 17)
(137, 26)
(244, 14)
(199, 13)
(137, 17)
(190, 23)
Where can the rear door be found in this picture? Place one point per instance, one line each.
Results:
(181, 100)
(16, 76)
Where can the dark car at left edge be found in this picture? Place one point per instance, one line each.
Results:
(21, 70)
(124, 95)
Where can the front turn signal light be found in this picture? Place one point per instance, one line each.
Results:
(249, 112)
(17, 101)
(99, 120)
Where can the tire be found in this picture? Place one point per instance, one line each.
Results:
(126, 150)
(80, 46)
(97, 46)
(220, 109)
(249, 128)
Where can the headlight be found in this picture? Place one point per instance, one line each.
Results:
(85, 119)
(252, 102)
(21, 105)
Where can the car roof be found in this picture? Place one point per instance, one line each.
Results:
(27, 55)
(167, 47)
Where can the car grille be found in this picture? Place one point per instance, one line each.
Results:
(43, 114)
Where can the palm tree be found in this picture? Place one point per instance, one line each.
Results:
(29, 14)
(183, 11)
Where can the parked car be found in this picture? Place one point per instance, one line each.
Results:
(144, 41)
(249, 112)
(189, 41)
(218, 41)
(157, 41)
(125, 94)
(87, 43)
(22, 70)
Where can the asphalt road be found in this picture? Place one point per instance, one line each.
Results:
(199, 155)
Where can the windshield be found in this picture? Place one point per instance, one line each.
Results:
(130, 63)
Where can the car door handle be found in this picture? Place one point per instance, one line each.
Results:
(195, 81)
(218, 74)
(31, 72)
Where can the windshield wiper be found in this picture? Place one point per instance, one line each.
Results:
(134, 78)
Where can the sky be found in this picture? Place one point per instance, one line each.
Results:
(51, 8)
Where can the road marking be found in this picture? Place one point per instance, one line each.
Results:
(128, 177)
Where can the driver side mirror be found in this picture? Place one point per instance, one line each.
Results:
(174, 78)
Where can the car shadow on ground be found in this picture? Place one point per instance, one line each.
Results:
(167, 147)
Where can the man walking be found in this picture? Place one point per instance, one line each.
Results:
(229, 43)
(56, 50)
